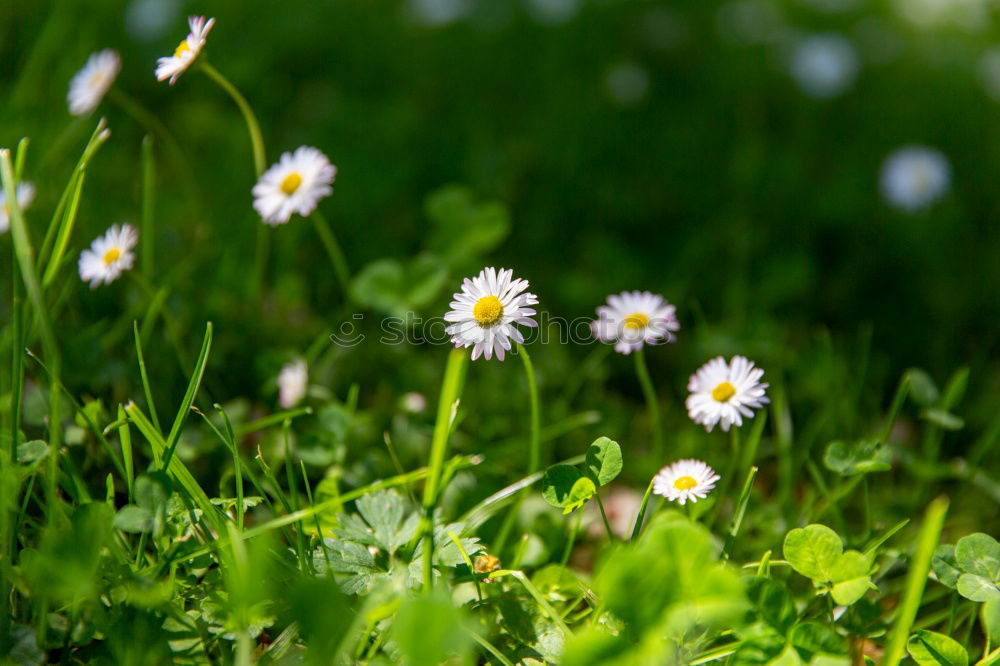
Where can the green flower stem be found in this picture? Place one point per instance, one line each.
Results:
(534, 455)
(333, 250)
(574, 530)
(26, 263)
(253, 127)
(652, 402)
(604, 517)
(451, 390)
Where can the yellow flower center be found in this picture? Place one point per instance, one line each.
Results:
(291, 183)
(111, 256)
(723, 391)
(488, 310)
(182, 48)
(685, 483)
(637, 320)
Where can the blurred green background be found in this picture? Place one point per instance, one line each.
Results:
(635, 145)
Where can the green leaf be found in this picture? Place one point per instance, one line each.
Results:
(850, 577)
(814, 638)
(942, 419)
(977, 588)
(922, 387)
(979, 554)
(813, 551)
(384, 512)
(945, 565)
(429, 630)
(462, 228)
(566, 487)
(134, 519)
(932, 649)
(773, 603)
(394, 288)
(604, 461)
(32, 451)
(861, 457)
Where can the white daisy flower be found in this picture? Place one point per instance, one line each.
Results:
(293, 380)
(109, 255)
(485, 311)
(294, 185)
(90, 84)
(914, 177)
(824, 65)
(724, 393)
(187, 51)
(633, 318)
(25, 195)
(685, 481)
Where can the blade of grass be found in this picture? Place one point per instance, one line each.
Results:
(146, 389)
(242, 431)
(148, 197)
(125, 436)
(916, 578)
(739, 512)
(189, 396)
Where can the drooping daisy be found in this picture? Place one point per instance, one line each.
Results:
(914, 177)
(824, 65)
(25, 195)
(109, 255)
(292, 383)
(187, 51)
(294, 185)
(485, 311)
(633, 318)
(90, 84)
(723, 392)
(685, 481)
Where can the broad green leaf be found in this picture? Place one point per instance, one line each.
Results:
(932, 649)
(773, 603)
(565, 486)
(31, 451)
(860, 457)
(830, 660)
(133, 519)
(815, 638)
(394, 288)
(923, 389)
(429, 630)
(945, 565)
(942, 419)
(384, 512)
(788, 657)
(850, 577)
(604, 461)
(813, 551)
(979, 554)
(977, 588)
(461, 227)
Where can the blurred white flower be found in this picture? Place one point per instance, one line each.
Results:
(824, 65)
(293, 380)
(634, 318)
(90, 84)
(627, 83)
(438, 12)
(187, 51)
(485, 311)
(685, 481)
(989, 73)
(25, 195)
(621, 505)
(109, 255)
(552, 12)
(413, 402)
(295, 184)
(750, 21)
(915, 177)
(723, 393)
